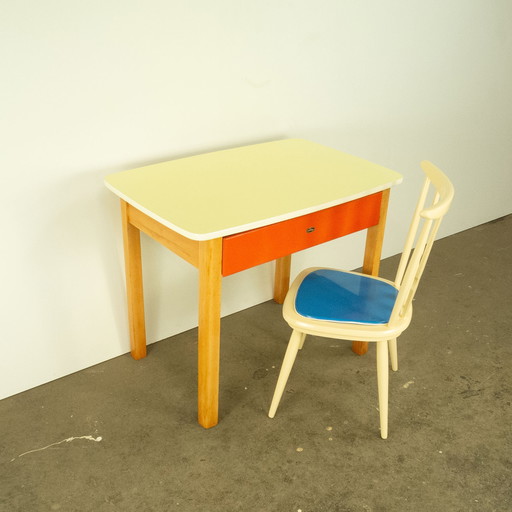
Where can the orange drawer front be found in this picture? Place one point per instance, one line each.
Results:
(257, 246)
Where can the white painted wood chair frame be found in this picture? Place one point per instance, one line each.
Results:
(422, 232)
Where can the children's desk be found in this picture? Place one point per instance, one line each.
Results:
(230, 210)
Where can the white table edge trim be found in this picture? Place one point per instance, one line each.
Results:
(201, 237)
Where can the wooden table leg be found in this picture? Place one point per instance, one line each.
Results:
(210, 281)
(134, 289)
(282, 278)
(372, 256)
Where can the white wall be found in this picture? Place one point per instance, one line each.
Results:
(90, 88)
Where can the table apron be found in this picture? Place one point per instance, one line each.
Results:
(182, 246)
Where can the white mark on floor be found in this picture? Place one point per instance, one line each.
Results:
(68, 440)
(407, 384)
(300, 449)
(329, 428)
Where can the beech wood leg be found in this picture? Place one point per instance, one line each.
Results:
(372, 255)
(210, 280)
(134, 289)
(282, 278)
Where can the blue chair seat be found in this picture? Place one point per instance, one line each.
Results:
(338, 296)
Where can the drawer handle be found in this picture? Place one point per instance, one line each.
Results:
(310, 230)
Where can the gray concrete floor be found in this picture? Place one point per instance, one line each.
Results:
(122, 435)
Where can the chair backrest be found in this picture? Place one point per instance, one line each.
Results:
(435, 200)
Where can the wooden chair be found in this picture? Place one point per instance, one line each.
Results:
(351, 306)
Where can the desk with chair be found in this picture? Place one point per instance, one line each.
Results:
(230, 210)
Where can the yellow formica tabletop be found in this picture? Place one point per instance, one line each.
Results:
(230, 210)
(217, 194)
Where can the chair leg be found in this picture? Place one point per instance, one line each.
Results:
(289, 358)
(302, 340)
(393, 354)
(383, 385)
